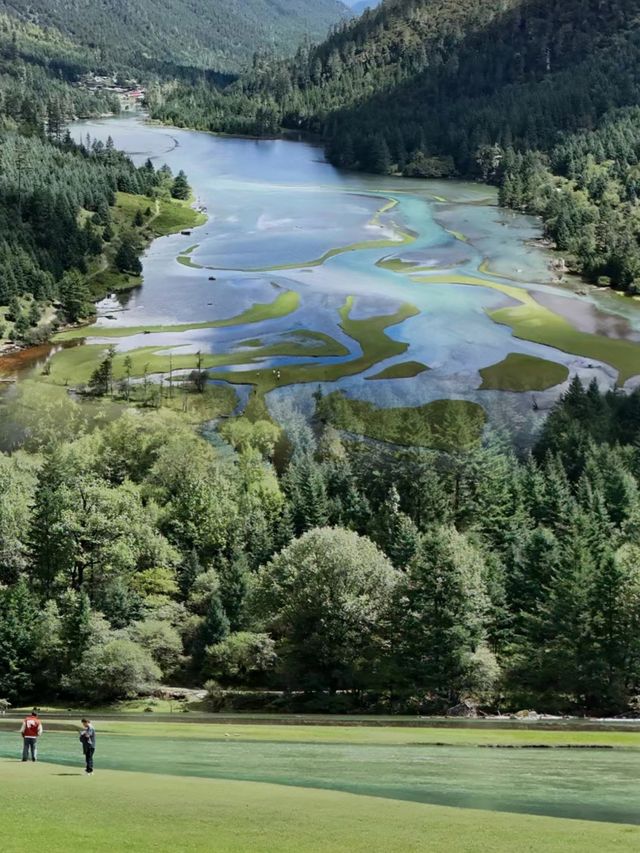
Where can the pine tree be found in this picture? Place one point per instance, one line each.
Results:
(307, 493)
(74, 296)
(213, 629)
(180, 188)
(234, 586)
(442, 609)
(395, 532)
(18, 615)
(76, 626)
(51, 543)
(126, 259)
(188, 571)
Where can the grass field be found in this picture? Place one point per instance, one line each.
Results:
(74, 365)
(261, 787)
(344, 731)
(140, 812)
(167, 216)
(520, 372)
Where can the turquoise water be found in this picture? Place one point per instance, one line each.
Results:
(274, 202)
(579, 783)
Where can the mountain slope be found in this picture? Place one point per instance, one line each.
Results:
(220, 34)
(538, 96)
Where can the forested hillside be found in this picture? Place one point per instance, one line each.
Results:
(58, 222)
(536, 95)
(218, 34)
(359, 578)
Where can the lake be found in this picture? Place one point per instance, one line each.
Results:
(462, 284)
(587, 784)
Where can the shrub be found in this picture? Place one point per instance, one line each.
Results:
(118, 669)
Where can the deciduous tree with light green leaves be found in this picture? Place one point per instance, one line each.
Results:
(326, 598)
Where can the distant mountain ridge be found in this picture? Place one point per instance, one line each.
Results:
(217, 34)
(359, 6)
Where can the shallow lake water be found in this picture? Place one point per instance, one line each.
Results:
(276, 203)
(580, 783)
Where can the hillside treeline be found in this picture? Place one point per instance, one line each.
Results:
(345, 575)
(538, 96)
(144, 35)
(56, 196)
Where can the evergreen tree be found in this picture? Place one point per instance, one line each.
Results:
(442, 609)
(180, 188)
(395, 532)
(234, 587)
(189, 570)
(213, 629)
(126, 259)
(307, 494)
(74, 296)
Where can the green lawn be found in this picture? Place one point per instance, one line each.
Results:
(175, 215)
(444, 424)
(178, 785)
(62, 811)
(519, 372)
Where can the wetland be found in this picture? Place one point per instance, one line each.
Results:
(304, 277)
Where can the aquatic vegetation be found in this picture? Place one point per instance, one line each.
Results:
(531, 321)
(442, 424)
(369, 333)
(521, 372)
(403, 237)
(74, 365)
(186, 261)
(285, 303)
(401, 370)
(396, 264)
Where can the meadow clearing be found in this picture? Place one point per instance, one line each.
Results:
(229, 786)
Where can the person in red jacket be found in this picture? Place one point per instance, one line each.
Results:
(31, 731)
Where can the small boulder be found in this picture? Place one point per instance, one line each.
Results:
(526, 715)
(466, 708)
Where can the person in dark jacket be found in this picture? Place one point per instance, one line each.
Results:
(88, 741)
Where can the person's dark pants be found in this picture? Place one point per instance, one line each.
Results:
(88, 758)
(29, 745)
